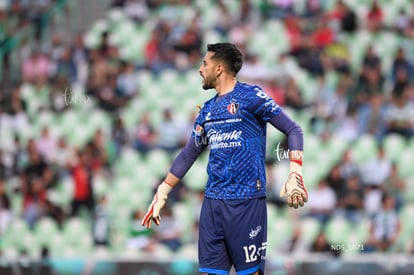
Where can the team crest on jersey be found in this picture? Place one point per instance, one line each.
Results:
(233, 107)
(199, 130)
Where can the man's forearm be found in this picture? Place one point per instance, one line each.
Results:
(171, 179)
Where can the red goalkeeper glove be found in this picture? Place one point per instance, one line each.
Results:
(158, 202)
(294, 187)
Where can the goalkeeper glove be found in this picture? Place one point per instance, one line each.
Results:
(158, 202)
(294, 187)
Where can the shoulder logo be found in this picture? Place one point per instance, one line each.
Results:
(199, 130)
(208, 116)
(232, 108)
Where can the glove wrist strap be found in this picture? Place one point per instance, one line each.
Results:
(298, 161)
(164, 188)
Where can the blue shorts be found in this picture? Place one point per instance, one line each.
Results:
(232, 232)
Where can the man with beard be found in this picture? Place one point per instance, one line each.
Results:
(233, 219)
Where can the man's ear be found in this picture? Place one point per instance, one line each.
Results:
(219, 69)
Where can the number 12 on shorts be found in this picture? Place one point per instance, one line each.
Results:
(251, 252)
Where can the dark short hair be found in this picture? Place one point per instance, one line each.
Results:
(229, 54)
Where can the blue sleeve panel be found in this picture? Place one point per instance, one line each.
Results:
(186, 158)
(286, 125)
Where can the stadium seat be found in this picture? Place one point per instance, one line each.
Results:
(280, 229)
(77, 237)
(196, 177)
(405, 161)
(15, 232)
(337, 230)
(310, 228)
(394, 146)
(44, 230)
(158, 161)
(364, 149)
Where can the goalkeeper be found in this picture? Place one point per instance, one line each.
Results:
(233, 218)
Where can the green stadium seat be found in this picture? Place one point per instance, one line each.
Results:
(77, 237)
(394, 146)
(279, 229)
(44, 229)
(364, 149)
(158, 161)
(16, 230)
(337, 230)
(196, 177)
(310, 228)
(405, 161)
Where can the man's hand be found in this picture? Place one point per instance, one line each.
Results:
(158, 202)
(294, 187)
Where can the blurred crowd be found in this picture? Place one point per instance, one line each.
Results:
(364, 101)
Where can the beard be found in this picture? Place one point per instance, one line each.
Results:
(208, 83)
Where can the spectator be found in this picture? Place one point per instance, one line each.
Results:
(119, 135)
(80, 56)
(61, 160)
(371, 60)
(17, 110)
(280, 9)
(401, 62)
(385, 226)
(46, 145)
(169, 136)
(55, 212)
(65, 67)
(107, 96)
(395, 186)
(296, 244)
(322, 202)
(97, 152)
(190, 41)
(34, 199)
(101, 225)
(335, 180)
(334, 105)
(6, 214)
(137, 10)
(60, 97)
(401, 83)
(253, 69)
(18, 156)
(82, 179)
(322, 245)
(372, 117)
(4, 170)
(323, 35)
(169, 232)
(402, 21)
(248, 14)
(140, 238)
(370, 82)
(127, 85)
(152, 50)
(347, 165)
(275, 90)
(376, 170)
(144, 136)
(313, 10)
(375, 17)
(293, 96)
(400, 116)
(351, 199)
(348, 19)
(37, 169)
(37, 67)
